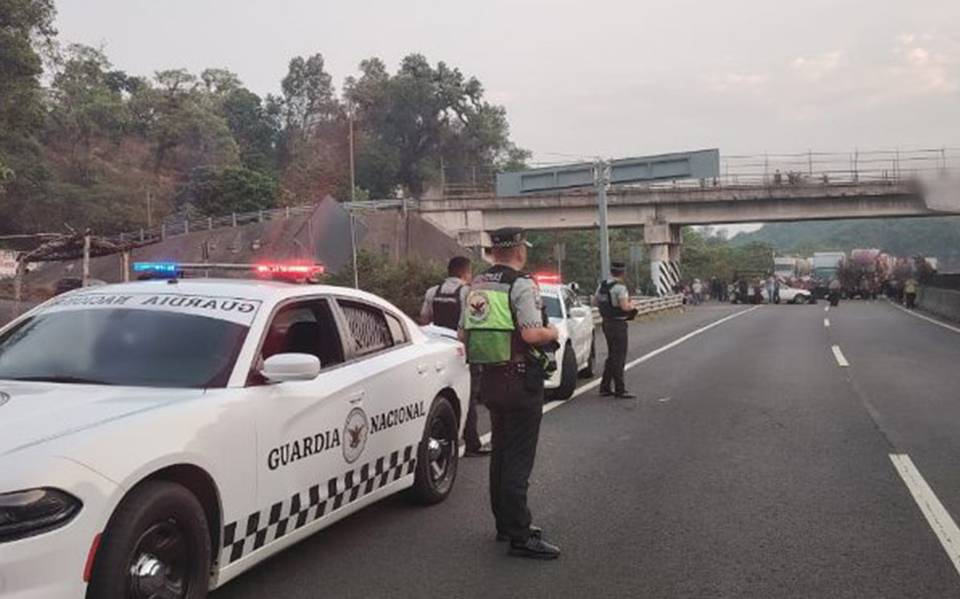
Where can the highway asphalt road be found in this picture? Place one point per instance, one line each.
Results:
(752, 465)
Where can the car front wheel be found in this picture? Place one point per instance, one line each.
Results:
(588, 371)
(438, 454)
(568, 375)
(156, 546)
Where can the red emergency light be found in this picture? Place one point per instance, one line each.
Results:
(288, 271)
(546, 278)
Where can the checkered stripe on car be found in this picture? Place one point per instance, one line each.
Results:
(262, 527)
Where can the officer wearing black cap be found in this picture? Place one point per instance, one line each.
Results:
(504, 330)
(616, 308)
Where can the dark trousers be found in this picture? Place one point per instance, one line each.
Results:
(615, 332)
(471, 438)
(515, 414)
(911, 299)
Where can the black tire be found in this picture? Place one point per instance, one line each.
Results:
(159, 521)
(588, 371)
(568, 375)
(438, 451)
(798, 299)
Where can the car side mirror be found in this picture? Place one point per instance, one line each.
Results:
(290, 367)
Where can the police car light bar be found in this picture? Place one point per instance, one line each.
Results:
(547, 278)
(279, 270)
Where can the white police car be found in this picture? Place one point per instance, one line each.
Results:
(158, 438)
(574, 320)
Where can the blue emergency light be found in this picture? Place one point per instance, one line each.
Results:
(156, 267)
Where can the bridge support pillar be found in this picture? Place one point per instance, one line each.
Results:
(663, 241)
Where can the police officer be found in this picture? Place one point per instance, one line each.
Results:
(504, 330)
(616, 308)
(443, 306)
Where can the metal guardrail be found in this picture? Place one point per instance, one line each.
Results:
(649, 305)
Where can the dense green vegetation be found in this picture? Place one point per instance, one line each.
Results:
(104, 148)
(937, 236)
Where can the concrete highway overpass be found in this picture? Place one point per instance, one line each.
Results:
(663, 210)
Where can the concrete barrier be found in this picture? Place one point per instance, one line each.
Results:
(942, 302)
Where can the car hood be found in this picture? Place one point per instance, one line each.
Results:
(32, 413)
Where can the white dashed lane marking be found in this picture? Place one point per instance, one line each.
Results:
(826, 322)
(841, 359)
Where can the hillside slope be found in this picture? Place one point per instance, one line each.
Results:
(934, 236)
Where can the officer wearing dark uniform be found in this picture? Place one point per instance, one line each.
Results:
(615, 306)
(504, 332)
(443, 307)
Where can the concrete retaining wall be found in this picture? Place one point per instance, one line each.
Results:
(942, 302)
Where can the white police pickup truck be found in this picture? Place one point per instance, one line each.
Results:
(158, 438)
(577, 353)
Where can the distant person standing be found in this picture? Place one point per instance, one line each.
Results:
(697, 292)
(771, 289)
(442, 306)
(835, 288)
(616, 308)
(910, 292)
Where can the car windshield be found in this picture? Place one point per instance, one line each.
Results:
(551, 304)
(122, 347)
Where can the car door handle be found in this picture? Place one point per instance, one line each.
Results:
(421, 368)
(440, 367)
(357, 397)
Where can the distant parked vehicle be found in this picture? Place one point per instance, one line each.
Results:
(791, 295)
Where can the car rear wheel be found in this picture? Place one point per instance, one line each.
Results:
(799, 299)
(438, 454)
(587, 372)
(156, 546)
(568, 375)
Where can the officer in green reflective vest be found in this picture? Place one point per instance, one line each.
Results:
(504, 331)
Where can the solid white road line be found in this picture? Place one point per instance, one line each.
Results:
(937, 516)
(841, 360)
(552, 405)
(927, 318)
(826, 322)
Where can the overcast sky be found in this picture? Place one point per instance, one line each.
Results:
(605, 77)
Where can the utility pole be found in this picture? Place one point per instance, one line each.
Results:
(353, 171)
(149, 209)
(353, 248)
(602, 179)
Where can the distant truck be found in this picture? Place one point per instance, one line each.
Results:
(826, 266)
(786, 267)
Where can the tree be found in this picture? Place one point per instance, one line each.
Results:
(86, 105)
(25, 26)
(312, 150)
(253, 128)
(422, 115)
(233, 189)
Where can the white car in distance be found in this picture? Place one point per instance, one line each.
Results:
(159, 438)
(789, 295)
(577, 353)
